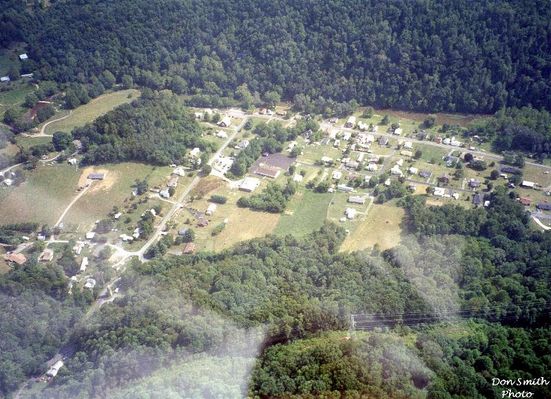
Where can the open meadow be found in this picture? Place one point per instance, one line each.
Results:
(88, 112)
(305, 213)
(42, 197)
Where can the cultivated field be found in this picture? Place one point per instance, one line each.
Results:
(89, 112)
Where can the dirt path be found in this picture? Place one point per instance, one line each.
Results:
(539, 223)
(71, 204)
(44, 126)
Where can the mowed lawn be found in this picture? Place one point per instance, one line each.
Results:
(88, 112)
(117, 186)
(42, 197)
(382, 226)
(305, 213)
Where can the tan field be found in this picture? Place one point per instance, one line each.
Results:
(382, 226)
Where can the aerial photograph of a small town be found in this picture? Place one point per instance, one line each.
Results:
(333, 199)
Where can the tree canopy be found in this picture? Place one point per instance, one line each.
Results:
(468, 56)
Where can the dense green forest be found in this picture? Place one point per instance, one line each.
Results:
(154, 129)
(37, 318)
(468, 56)
(522, 129)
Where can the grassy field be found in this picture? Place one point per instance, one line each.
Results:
(382, 226)
(241, 224)
(313, 153)
(89, 112)
(114, 190)
(42, 197)
(430, 152)
(15, 96)
(306, 212)
(28, 142)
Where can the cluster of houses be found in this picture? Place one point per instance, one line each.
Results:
(172, 183)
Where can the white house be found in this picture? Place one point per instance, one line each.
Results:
(413, 170)
(350, 213)
(350, 122)
(345, 188)
(398, 131)
(249, 184)
(164, 193)
(396, 171)
(195, 152)
(23, 57)
(90, 283)
(90, 235)
(210, 209)
(225, 122)
(4, 79)
(221, 134)
(372, 167)
(356, 199)
(84, 264)
(179, 171)
(337, 174)
(528, 184)
(242, 145)
(52, 371)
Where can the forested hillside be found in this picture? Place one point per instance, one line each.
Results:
(291, 299)
(154, 129)
(453, 55)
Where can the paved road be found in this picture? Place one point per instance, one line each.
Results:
(486, 155)
(178, 205)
